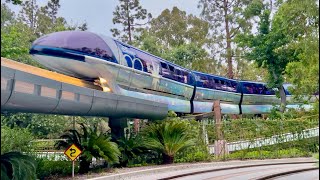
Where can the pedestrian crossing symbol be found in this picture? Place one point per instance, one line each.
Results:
(72, 152)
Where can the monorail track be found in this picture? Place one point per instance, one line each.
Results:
(26, 88)
(47, 74)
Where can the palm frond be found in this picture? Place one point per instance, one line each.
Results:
(15, 165)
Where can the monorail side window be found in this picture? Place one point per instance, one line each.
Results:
(178, 76)
(128, 60)
(191, 79)
(233, 86)
(211, 82)
(269, 91)
(137, 64)
(205, 81)
(217, 84)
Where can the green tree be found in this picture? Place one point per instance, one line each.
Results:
(15, 2)
(7, 16)
(92, 143)
(43, 20)
(40, 125)
(16, 139)
(174, 28)
(168, 138)
(227, 19)
(127, 14)
(15, 43)
(179, 38)
(274, 46)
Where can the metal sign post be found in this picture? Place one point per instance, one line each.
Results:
(72, 169)
(72, 152)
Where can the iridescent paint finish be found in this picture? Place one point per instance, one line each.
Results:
(174, 104)
(131, 72)
(176, 88)
(205, 107)
(256, 109)
(260, 99)
(204, 94)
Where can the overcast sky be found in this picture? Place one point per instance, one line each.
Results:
(98, 13)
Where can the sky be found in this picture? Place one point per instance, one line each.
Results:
(98, 13)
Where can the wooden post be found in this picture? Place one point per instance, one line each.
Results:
(220, 145)
(136, 125)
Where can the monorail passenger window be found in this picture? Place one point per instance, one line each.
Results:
(248, 88)
(164, 70)
(211, 83)
(181, 76)
(137, 65)
(171, 68)
(171, 71)
(129, 60)
(191, 79)
(198, 80)
(185, 76)
(217, 83)
(258, 89)
(233, 86)
(269, 91)
(205, 81)
(223, 85)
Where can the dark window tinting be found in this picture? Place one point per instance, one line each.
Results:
(137, 64)
(269, 91)
(129, 61)
(81, 41)
(165, 71)
(171, 68)
(252, 88)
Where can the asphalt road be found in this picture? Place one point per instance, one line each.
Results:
(237, 170)
(247, 173)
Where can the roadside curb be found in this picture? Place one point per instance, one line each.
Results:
(213, 165)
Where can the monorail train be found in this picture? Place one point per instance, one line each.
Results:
(133, 72)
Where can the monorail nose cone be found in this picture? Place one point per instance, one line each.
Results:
(76, 42)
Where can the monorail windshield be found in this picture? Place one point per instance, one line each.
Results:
(83, 42)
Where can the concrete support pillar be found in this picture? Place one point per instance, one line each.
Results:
(220, 145)
(117, 126)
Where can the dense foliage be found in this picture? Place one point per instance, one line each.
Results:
(168, 138)
(92, 143)
(15, 165)
(15, 139)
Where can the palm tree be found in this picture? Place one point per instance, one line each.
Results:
(92, 143)
(15, 165)
(130, 147)
(168, 137)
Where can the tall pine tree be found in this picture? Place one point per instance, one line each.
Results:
(227, 19)
(128, 14)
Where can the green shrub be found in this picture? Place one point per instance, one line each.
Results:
(48, 168)
(193, 154)
(265, 154)
(15, 139)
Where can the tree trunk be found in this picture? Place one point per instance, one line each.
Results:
(167, 159)
(228, 37)
(129, 25)
(283, 103)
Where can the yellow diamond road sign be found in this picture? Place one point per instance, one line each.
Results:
(72, 152)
